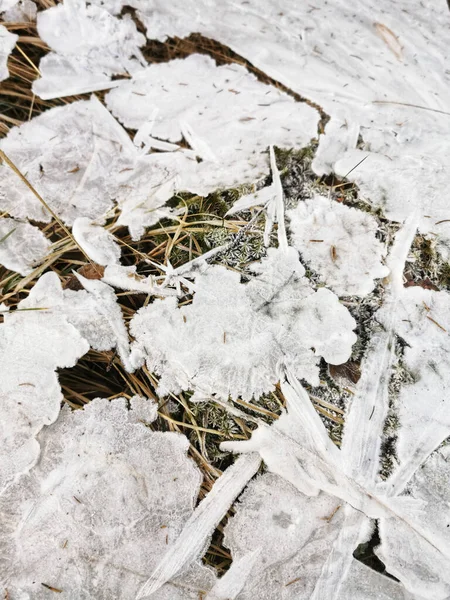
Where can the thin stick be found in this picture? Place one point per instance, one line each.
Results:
(436, 110)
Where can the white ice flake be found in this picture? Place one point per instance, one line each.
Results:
(233, 337)
(105, 501)
(422, 569)
(376, 69)
(89, 46)
(401, 182)
(324, 54)
(294, 533)
(422, 320)
(96, 241)
(195, 99)
(194, 538)
(99, 318)
(145, 187)
(69, 155)
(17, 11)
(7, 42)
(35, 340)
(22, 246)
(339, 243)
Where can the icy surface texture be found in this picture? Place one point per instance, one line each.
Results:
(98, 317)
(339, 243)
(105, 501)
(89, 47)
(196, 534)
(400, 182)
(20, 11)
(423, 321)
(399, 105)
(33, 344)
(195, 99)
(96, 241)
(418, 564)
(294, 533)
(233, 338)
(7, 43)
(147, 185)
(22, 246)
(303, 49)
(69, 155)
(414, 544)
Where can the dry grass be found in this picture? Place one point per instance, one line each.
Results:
(100, 374)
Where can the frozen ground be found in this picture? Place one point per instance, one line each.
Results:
(225, 300)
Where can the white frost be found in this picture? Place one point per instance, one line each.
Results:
(7, 42)
(423, 321)
(69, 155)
(89, 47)
(22, 246)
(294, 533)
(339, 243)
(105, 501)
(33, 344)
(195, 99)
(17, 11)
(233, 337)
(405, 180)
(96, 241)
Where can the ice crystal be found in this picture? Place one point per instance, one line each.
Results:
(233, 338)
(22, 246)
(105, 501)
(7, 43)
(69, 155)
(35, 340)
(15, 11)
(339, 243)
(96, 241)
(89, 47)
(195, 99)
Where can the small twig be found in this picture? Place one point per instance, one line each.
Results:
(436, 323)
(436, 110)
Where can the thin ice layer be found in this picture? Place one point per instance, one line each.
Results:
(294, 533)
(145, 188)
(17, 11)
(415, 563)
(106, 487)
(193, 540)
(339, 243)
(7, 43)
(398, 101)
(324, 53)
(422, 407)
(70, 155)
(98, 317)
(196, 100)
(96, 241)
(404, 180)
(232, 338)
(35, 341)
(22, 246)
(89, 46)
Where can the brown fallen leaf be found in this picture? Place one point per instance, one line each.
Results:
(90, 271)
(426, 284)
(349, 370)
